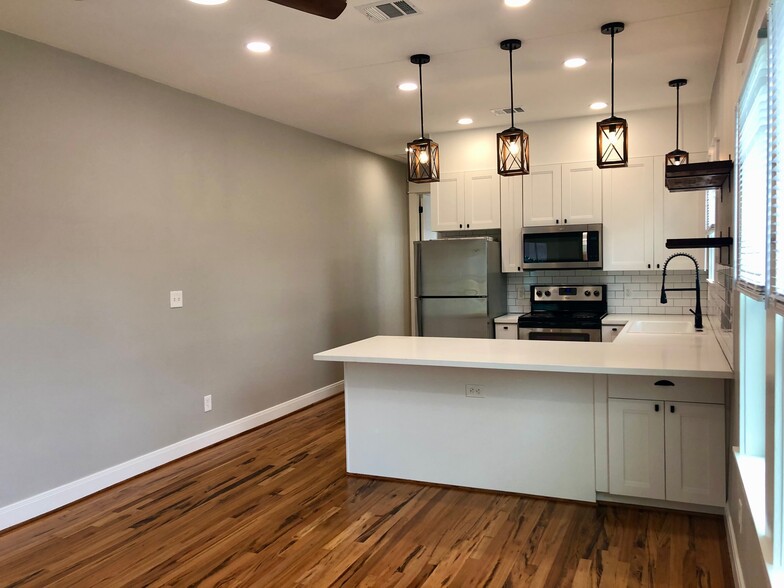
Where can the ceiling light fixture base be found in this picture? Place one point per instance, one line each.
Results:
(677, 83)
(612, 28)
(511, 44)
(420, 59)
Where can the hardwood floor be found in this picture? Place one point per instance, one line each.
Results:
(274, 508)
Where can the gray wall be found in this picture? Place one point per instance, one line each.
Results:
(115, 190)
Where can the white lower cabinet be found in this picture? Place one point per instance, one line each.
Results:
(694, 450)
(636, 429)
(667, 449)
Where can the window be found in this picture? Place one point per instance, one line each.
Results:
(710, 231)
(752, 164)
(776, 96)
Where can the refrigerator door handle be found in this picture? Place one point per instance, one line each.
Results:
(419, 319)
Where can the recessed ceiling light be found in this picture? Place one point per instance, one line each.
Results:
(516, 3)
(407, 86)
(258, 46)
(573, 62)
(209, 2)
(598, 105)
(465, 121)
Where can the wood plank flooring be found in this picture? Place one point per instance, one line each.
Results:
(274, 508)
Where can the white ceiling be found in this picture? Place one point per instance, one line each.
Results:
(339, 78)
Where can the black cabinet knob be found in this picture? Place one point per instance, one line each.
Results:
(566, 220)
(656, 407)
(556, 221)
(672, 408)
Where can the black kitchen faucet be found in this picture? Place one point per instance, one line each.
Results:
(698, 310)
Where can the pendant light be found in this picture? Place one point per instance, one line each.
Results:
(678, 156)
(612, 134)
(423, 161)
(513, 154)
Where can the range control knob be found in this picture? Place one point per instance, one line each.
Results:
(587, 292)
(547, 293)
(538, 292)
(596, 293)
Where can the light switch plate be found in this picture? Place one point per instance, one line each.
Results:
(175, 299)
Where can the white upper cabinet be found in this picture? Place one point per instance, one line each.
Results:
(512, 224)
(482, 200)
(447, 203)
(581, 193)
(628, 212)
(466, 201)
(563, 194)
(542, 203)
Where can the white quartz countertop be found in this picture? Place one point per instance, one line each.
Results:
(695, 355)
(507, 319)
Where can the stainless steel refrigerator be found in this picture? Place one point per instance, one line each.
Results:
(460, 287)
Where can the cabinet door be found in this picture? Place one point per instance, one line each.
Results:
(542, 202)
(695, 453)
(627, 209)
(446, 199)
(511, 223)
(678, 215)
(482, 200)
(581, 193)
(636, 447)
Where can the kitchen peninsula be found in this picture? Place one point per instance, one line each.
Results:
(568, 420)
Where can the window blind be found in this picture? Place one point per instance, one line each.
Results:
(752, 139)
(776, 25)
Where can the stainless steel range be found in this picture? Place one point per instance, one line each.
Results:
(564, 313)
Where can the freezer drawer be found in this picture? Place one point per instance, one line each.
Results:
(454, 317)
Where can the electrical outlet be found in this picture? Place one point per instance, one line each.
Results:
(175, 299)
(628, 292)
(473, 391)
(208, 403)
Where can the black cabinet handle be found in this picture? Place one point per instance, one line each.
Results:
(566, 220)
(663, 383)
(649, 266)
(468, 226)
(656, 407)
(506, 328)
(556, 221)
(672, 408)
(461, 226)
(518, 268)
(658, 265)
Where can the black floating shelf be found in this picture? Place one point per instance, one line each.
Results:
(701, 243)
(697, 176)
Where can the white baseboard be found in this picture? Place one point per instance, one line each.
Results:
(35, 506)
(737, 570)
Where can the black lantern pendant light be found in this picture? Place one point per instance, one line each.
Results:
(513, 154)
(612, 134)
(678, 156)
(422, 153)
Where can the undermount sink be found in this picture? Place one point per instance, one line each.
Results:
(663, 327)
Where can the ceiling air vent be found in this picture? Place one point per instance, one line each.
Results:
(381, 11)
(507, 111)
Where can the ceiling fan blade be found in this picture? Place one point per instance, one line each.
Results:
(326, 8)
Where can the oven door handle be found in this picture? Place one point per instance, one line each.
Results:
(585, 245)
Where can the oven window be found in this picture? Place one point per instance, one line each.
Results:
(534, 336)
(556, 247)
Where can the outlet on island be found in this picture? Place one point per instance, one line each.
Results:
(474, 391)
(208, 403)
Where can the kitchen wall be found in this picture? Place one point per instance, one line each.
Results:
(574, 139)
(115, 190)
(628, 292)
(744, 19)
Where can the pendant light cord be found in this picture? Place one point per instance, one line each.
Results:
(511, 87)
(421, 105)
(677, 115)
(612, 75)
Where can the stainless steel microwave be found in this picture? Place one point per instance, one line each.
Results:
(562, 247)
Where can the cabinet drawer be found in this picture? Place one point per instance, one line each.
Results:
(506, 331)
(610, 332)
(710, 391)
